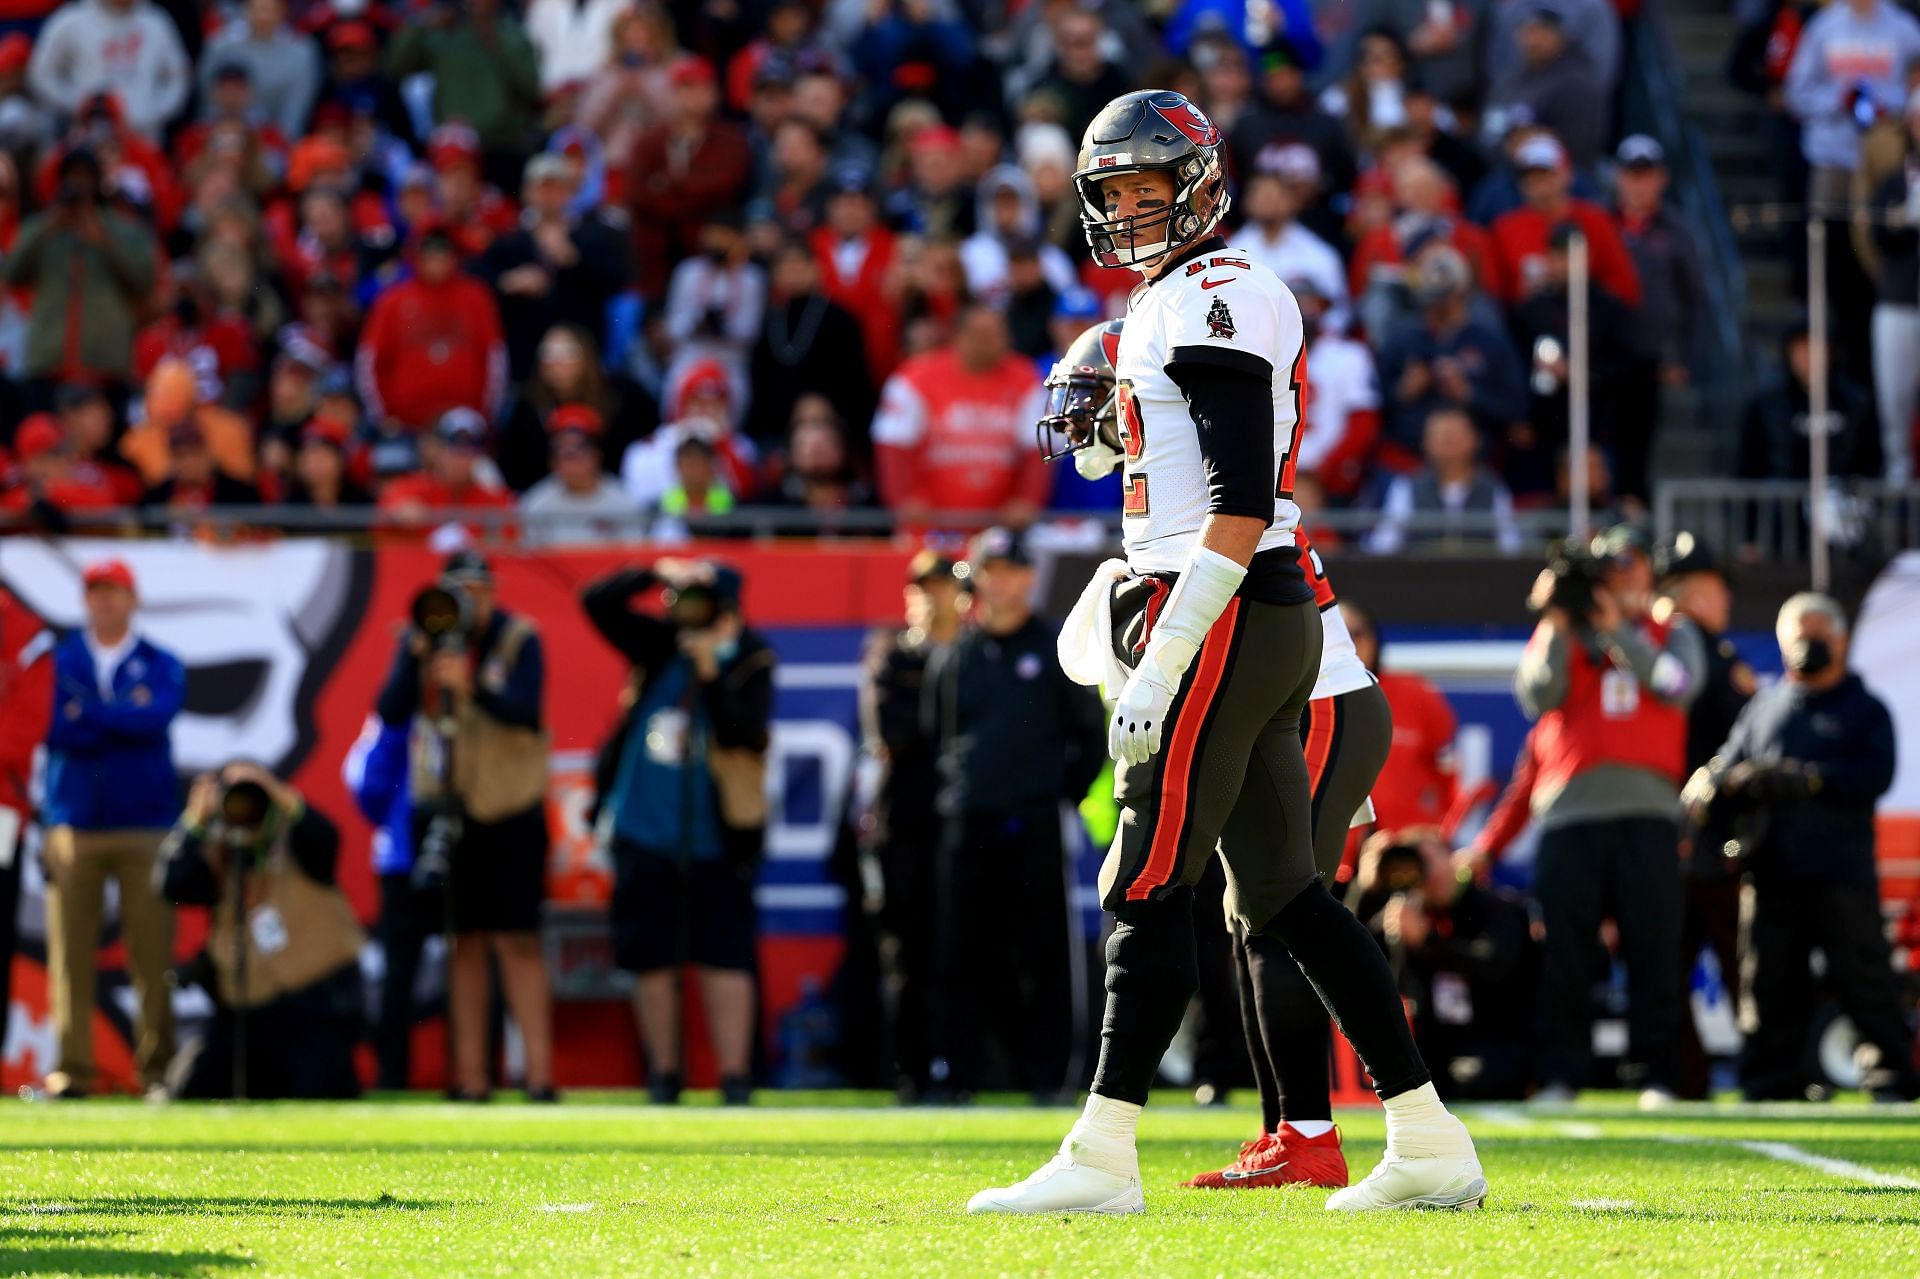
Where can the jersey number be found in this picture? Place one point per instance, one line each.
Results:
(1133, 442)
(1298, 385)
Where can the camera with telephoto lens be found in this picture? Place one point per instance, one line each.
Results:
(1577, 571)
(241, 815)
(444, 615)
(433, 859)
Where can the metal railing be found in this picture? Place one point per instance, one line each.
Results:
(1771, 520)
(1426, 533)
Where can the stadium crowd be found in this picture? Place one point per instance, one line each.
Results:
(627, 266)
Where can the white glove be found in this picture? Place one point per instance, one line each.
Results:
(1097, 460)
(1139, 717)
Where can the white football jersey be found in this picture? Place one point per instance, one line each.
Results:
(1341, 670)
(1219, 299)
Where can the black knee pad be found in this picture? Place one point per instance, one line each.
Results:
(1151, 949)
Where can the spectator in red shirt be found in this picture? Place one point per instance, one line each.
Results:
(321, 478)
(231, 112)
(474, 211)
(130, 165)
(1521, 237)
(50, 488)
(1428, 211)
(682, 172)
(432, 343)
(219, 348)
(454, 479)
(1417, 787)
(954, 430)
(856, 257)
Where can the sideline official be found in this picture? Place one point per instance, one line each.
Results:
(1805, 763)
(1015, 738)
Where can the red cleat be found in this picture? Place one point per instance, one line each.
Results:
(1282, 1159)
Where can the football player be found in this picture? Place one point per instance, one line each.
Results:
(1223, 643)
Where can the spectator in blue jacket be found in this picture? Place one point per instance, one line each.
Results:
(111, 796)
(375, 772)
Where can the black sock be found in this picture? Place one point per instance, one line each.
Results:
(1258, 1047)
(1152, 971)
(1351, 977)
(1293, 1022)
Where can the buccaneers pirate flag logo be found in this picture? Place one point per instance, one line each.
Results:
(1220, 320)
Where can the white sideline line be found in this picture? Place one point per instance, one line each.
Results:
(567, 1207)
(1787, 1154)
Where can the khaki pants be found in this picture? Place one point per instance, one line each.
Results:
(79, 863)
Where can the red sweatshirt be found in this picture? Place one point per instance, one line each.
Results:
(428, 348)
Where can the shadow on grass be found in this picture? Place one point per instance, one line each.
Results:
(53, 1208)
(65, 1260)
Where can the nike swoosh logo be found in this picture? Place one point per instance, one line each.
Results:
(1235, 1175)
(1214, 284)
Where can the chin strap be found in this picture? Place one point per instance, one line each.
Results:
(1205, 588)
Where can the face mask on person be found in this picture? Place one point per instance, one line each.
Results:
(1809, 656)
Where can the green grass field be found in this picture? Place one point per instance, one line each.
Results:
(609, 1187)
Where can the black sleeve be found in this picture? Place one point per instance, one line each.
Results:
(400, 696)
(740, 701)
(1230, 398)
(314, 843)
(184, 877)
(517, 702)
(642, 639)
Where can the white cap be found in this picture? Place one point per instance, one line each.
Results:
(1542, 151)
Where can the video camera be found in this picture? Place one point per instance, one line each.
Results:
(1577, 571)
(444, 615)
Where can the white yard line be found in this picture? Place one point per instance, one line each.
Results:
(1788, 1154)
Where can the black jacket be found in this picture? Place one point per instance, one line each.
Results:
(1013, 734)
(575, 295)
(809, 344)
(1845, 735)
(186, 879)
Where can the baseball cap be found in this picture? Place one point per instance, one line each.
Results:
(350, 35)
(1683, 554)
(1295, 162)
(852, 178)
(935, 137)
(548, 166)
(466, 566)
(1618, 541)
(453, 143)
(108, 573)
(15, 52)
(38, 435)
(461, 426)
(928, 565)
(73, 395)
(1441, 272)
(1540, 152)
(322, 429)
(1077, 304)
(691, 69)
(997, 543)
(1640, 152)
(581, 419)
(232, 71)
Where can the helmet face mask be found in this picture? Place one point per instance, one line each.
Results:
(1151, 130)
(1082, 396)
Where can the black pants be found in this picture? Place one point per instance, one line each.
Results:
(298, 1046)
(909, 924)
(1843, 921)
(407, 919)
(1628, 869)
(1007, 973)
(1710, 917)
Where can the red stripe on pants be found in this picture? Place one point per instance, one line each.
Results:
(1319, 742)
(1176, 774)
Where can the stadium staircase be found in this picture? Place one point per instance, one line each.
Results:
(1715, 137)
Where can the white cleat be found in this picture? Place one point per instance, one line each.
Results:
(1061, 1185)
(1406, 1181)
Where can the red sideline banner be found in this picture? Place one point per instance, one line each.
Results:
(287, 645)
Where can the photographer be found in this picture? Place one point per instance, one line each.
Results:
(472, 673)
(1610, 686)
(90, 269)
(1464, 959)
(681, 792)
(285, 973)
(1798, 778)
